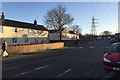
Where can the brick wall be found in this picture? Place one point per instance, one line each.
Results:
(16, 49)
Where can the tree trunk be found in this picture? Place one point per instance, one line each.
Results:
(60, 36)
(60, 33)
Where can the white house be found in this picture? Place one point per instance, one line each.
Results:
(66, 35)
(16, 32)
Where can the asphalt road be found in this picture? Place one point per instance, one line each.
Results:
(84, 61)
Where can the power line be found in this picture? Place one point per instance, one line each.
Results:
(106, 20)
(93, 8)
(96, 8)
(109, 17)
(107, 23)
(113, 8)
(104, 9)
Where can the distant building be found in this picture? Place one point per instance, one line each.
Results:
(66, 35)
(16, 32)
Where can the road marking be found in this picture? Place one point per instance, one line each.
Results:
(32, 70)
(91, 47)
(64, 72)
(99, 47)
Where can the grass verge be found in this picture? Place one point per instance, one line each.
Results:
(36, 52)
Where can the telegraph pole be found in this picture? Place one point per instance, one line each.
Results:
(93, 27)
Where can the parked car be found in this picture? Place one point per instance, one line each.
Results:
(113, 40)
(111, 58)
(109, 38)
(99, 38)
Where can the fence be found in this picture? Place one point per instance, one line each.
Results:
(66, 42)
(16, 49)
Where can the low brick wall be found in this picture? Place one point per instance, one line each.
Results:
(16, 49)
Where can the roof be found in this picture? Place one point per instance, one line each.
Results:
(71, 32)
(116, 43)
(55, 30)
(19, 24)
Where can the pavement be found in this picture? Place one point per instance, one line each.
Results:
(83, 61)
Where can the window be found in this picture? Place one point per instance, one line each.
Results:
(44, 34)
(115, 48)
(26, 31)
(36, 31)
(1, 29)
(14, 40)
(36, 40)
(14, 29)
(26, 40)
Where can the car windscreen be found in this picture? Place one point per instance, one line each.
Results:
(115, 48)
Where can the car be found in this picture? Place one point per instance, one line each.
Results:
(111, 58)
(99, 38)
(109, 38)
(113, 40)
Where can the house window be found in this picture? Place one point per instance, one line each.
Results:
(14, 29)
(26, 40)
(26, 31)
(1, 29)
(14, 40)
(36, 40)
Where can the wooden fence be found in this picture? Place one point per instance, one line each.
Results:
(16, 49)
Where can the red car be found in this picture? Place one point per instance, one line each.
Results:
(111, 58)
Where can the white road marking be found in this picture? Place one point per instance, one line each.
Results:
(64, 72)
(91, 47)
(32, 70)
(98, 47)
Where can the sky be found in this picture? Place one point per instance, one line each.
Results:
(106, 13)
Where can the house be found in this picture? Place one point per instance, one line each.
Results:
(73, 35)
(66, 35)
(16, 32)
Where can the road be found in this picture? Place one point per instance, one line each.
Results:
(84, 61)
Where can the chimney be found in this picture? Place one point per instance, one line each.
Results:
(35, 22)
(2, 16)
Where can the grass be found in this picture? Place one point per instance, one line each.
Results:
(36, 52)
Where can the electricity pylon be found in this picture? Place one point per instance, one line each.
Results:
(93, 27)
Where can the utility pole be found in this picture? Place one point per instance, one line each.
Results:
(93, 27)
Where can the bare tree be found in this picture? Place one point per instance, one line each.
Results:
(106, 33)
(76, 29)
(57, 18)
